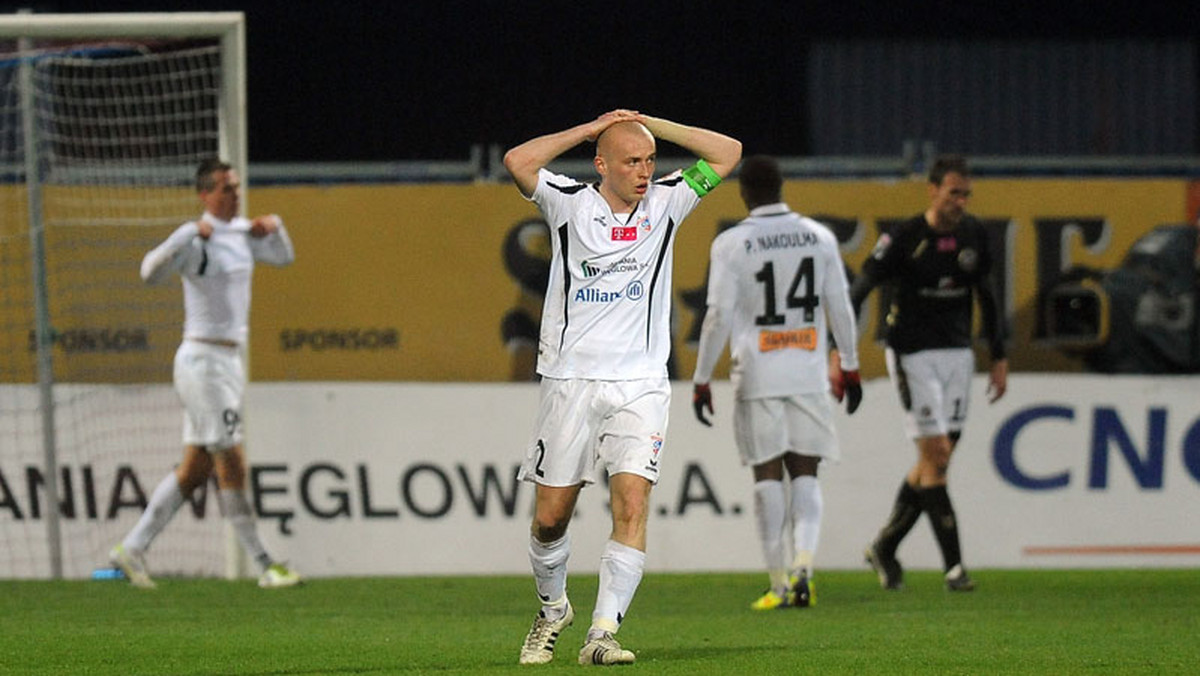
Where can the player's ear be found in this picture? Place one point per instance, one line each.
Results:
(598, 162)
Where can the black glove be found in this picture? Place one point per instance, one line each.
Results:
(853, 388)
(702, 399)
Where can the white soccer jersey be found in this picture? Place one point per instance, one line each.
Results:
(607, 310)
(773, 279)
(216, 273)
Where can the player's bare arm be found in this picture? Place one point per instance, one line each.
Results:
(997, 380)
(524, 161)
(720, 152)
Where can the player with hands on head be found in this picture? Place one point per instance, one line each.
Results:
(776, 280)
(215, 257)
(938, 263)
(603, 349)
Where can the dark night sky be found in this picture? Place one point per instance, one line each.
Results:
(419, 79)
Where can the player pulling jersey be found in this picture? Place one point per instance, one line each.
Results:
(607, 310)
(216, 273)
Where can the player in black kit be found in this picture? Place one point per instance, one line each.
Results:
(937, 262)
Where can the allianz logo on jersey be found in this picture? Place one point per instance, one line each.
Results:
(633, 292)
(628, 264)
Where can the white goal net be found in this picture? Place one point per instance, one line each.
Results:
(100, 136)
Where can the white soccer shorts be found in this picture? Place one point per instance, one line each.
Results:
(934, 388)
(765, 429)
(210, 380)
(585, 426)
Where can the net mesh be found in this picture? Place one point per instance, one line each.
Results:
(119, 131)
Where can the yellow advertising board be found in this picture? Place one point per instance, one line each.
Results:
(444, 282)
(418, 282)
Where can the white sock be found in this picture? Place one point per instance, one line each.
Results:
(549, 563)
(769, 516)
(621, 569)
(807, 506)
(164, 502)
(235, 508)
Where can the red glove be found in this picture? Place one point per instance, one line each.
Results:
(702, 399)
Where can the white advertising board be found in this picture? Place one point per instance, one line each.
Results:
(418, 478)
(1064, 471)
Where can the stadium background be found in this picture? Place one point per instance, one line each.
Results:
(361, 80)
(399, 279)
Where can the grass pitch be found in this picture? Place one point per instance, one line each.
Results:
(1018, 622)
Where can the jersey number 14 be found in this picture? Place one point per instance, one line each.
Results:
(800, 294)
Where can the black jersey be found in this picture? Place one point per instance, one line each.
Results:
(934, 275)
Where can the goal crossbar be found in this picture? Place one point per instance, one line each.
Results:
(146, 24)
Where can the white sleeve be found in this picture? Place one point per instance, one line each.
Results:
(553, 195)
(722, 295)
(839, 309)
(174, 255)
(275, 248)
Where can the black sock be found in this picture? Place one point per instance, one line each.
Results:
(945, 526)
(905, 512)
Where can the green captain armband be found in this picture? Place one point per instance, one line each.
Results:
(701, 178)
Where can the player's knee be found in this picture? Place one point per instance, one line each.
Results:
(548, 532)
(801, 465)
(549, 524)
(630, 515)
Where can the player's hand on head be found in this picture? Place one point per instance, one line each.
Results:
(852, 390)
(608, 119)
(204, 229)
(701, 401)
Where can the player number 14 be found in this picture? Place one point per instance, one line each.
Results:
(801, 281)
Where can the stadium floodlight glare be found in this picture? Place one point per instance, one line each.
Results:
(103, 120)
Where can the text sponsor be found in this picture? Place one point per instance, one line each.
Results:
(597, 296)
(802, 339)
(110, 340)
(325, 491)
(622, 234)
(351, 339)
(627, 264)
(1105, 445)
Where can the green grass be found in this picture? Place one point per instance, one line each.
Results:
(1018, 622)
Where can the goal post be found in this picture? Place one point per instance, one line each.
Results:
(103, 119)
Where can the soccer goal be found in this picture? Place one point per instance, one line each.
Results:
(103, 120)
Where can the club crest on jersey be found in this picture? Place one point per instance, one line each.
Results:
(622, 234)
(644, 223)
(968, 259)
